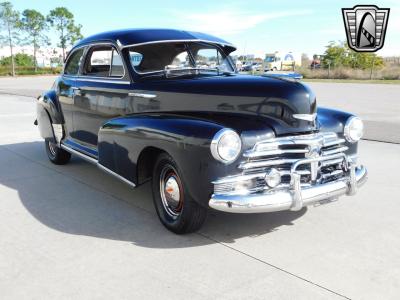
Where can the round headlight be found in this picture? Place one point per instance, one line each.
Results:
(226, 145)
(354, 129)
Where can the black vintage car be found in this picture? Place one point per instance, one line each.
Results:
(168, 106)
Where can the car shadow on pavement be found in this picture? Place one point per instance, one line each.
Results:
(80, 199)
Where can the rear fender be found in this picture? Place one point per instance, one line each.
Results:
(49, 101)
(49, 117)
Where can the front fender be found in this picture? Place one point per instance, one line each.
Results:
(334, 121)
(186, 139)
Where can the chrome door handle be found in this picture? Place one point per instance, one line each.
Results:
(141, 95)
(77, 91)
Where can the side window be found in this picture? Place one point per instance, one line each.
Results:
(72, 65)
(104, 61)
(211, 58)
(180, 61)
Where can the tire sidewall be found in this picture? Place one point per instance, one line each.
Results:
(59, 157)
(51, 156)
(171, 223)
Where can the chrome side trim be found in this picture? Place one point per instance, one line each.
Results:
(141, 95)
(98, 79)
(80, 154)
(100, 166)
(105, 169)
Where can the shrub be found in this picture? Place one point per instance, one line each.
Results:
(389, 72)
(6, 71)
(21, 59)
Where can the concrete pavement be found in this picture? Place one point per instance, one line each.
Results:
(75, 232)
(377, 104)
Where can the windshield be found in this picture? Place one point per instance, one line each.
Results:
(182, 57)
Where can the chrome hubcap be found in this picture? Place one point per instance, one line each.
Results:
(52, 148)
(171, 191)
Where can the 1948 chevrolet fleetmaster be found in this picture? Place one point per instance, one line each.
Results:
(168, 106)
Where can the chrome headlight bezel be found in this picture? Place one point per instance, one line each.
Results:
(216, 145)
(353, 129)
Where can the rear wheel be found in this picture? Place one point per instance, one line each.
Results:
(55, 154)
(177, 211)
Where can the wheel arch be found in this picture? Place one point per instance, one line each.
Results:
(146, 162)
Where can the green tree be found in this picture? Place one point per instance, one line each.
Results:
(338, 54)
(63, 21)
(34, 24)
(9, 21)
(365, 60)
(21, 60)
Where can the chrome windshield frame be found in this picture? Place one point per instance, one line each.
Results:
(217, 46)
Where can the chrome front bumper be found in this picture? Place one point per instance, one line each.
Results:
(293, 198)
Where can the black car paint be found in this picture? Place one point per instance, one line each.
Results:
(103, 121)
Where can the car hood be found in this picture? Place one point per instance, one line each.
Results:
(272, 101)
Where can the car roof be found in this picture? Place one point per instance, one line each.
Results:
(130, 37)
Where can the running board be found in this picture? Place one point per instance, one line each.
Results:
(96, 162)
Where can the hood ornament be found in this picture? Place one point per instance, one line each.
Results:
(306, 117)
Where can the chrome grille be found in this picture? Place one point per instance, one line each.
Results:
(281, 153)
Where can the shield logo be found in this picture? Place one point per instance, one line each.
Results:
(365, 27)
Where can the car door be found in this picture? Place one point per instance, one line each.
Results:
(66, 87)
(101, 94)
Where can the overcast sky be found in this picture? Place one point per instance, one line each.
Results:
(254, 27)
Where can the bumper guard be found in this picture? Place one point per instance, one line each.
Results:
(297, 195)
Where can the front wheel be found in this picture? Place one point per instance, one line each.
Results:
(177, 211)
(55, 154)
